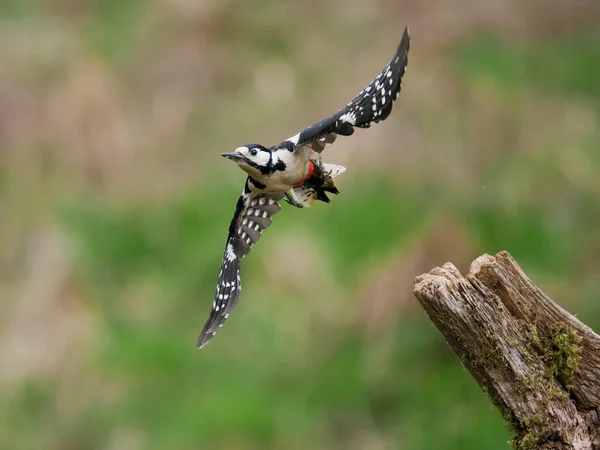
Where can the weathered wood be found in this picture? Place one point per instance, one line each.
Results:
(539, 365)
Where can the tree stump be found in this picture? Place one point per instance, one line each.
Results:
(538, 364)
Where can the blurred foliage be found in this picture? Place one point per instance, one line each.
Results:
(564, 66)
(115, 208)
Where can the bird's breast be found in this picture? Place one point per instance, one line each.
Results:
(296, 170)
(282, 181)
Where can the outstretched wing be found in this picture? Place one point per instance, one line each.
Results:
(252, 215)
(373, 104)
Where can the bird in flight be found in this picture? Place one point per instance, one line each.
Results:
(293, 171)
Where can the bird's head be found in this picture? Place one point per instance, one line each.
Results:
(253, 159)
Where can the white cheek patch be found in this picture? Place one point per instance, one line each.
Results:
(261, 158)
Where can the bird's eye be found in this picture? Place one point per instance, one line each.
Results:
(253, 152)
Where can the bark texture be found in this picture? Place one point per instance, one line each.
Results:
(539, 365)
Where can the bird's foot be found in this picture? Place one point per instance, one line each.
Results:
(290, 198)
(319, 167)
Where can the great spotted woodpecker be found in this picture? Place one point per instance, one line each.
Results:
(293, 171)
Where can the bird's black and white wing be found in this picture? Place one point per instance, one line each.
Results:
(373, 104)
(252, 215)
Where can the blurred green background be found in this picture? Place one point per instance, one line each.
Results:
(115, 203)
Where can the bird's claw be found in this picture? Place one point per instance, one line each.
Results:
(289, 197)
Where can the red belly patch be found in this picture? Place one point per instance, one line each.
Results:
(309, 173)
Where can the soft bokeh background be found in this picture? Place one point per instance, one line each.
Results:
(115, 203)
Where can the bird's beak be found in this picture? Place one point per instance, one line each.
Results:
(234, 156)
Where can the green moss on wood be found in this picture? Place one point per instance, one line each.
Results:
(528, 441)
(533, 432)
(532, 337)
(489, 353)
(561, 351)
(564, 353)
(558, 347)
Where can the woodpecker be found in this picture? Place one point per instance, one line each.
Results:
(293, 171)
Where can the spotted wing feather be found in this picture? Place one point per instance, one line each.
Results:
(372, 105)
(252, 215)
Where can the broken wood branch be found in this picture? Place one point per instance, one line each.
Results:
(539, 365)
